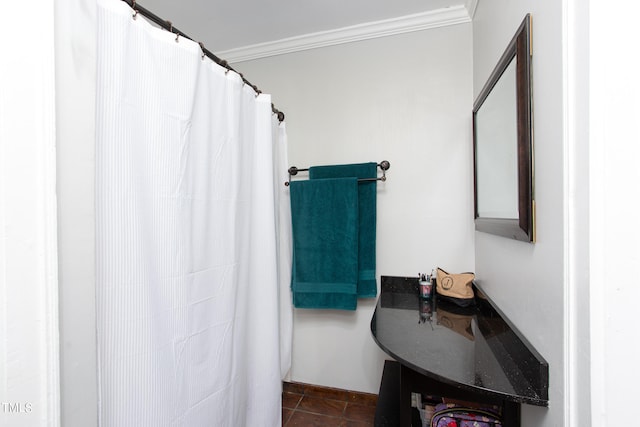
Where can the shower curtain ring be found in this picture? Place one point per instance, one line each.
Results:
(135, 11)
(170, 24)
(202, 48)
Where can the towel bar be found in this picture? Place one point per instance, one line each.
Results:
(384, 165)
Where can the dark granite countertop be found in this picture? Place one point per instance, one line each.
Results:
(474, 347)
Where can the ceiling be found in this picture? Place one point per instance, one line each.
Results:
(224, 25)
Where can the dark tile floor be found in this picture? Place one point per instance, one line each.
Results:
(314, 406)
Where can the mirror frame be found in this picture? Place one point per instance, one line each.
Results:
(523, 227)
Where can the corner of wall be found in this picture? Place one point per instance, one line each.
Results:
(75, 105)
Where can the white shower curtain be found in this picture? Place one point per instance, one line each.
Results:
(193, 236)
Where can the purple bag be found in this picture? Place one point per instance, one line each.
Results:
(452, 415)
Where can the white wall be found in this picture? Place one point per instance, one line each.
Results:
(527, 280)
(29, 375)
(46, 151)
(578, 396)
(614, 149)
(406, 99)
(75, 104)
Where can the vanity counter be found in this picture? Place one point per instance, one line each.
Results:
(469, 353)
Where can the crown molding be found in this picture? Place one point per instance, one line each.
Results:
(405, 24)
(471, 6)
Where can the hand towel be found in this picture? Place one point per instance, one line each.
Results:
(324, 219)
(367, 192)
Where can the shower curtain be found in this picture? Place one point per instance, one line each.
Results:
(192, 233)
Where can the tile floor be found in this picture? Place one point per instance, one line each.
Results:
(310, 406)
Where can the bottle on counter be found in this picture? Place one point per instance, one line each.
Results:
(424, 286)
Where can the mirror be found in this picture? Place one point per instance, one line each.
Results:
(503, 145)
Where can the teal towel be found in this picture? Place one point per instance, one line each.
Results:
(367, 192)
(324, 219)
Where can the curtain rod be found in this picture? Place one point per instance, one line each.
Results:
(167, 25)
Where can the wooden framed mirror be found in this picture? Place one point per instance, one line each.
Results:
(503, 145)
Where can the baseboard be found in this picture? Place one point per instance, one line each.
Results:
(329, 393)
